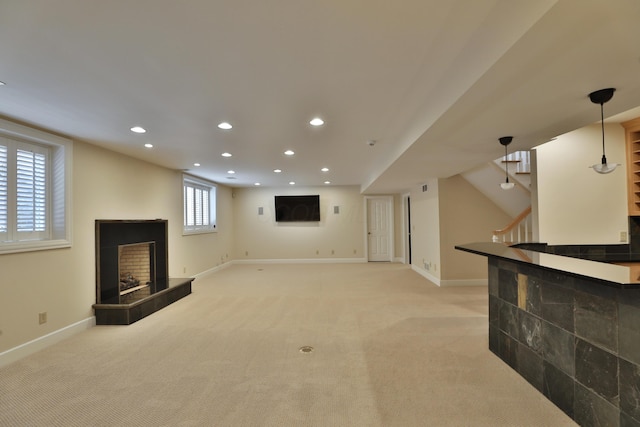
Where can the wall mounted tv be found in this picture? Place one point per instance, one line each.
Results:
(297, 208)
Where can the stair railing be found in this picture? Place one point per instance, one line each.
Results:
(518, 231)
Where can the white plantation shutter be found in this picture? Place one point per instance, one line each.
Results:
(31, 191)
(24, 192)
(3, 193)
(199, 205)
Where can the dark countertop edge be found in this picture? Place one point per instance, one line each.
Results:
(509, 253)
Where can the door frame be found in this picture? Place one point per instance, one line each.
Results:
(406, 227)
(390, 220)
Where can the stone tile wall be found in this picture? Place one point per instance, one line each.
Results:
(575, 340)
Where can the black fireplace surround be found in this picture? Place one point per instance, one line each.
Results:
(111, 307)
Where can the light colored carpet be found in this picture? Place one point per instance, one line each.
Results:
(390, 349)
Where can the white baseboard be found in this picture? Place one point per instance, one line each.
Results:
(443, 283)
(212, 270)
(33, 346)
(301, 261)
(426, 275)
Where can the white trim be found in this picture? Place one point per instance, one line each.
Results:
(449, 283)
(426, 275)
(61, 152)
(301, 261)
(33, 346)
(212, 270)
(406, 197)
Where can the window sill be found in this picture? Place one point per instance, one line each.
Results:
(40, 245)
(195, 232)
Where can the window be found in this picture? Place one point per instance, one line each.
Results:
(34, 189)
(199, 205)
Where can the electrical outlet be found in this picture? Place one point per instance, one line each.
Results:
(623, 236)
(42, 318)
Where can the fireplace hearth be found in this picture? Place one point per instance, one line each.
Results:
(132, 271)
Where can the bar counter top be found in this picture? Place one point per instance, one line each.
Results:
(603, 267)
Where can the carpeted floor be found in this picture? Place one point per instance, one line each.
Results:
(389, 349)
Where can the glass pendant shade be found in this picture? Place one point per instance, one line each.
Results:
(507, 185)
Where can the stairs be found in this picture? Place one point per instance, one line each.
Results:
(487, 178)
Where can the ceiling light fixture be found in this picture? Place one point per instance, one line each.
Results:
(148, 145)
(327, 182)
(2, 83)
(505, 141)
(196, 164)
(256, 184)
(138, 129)
(231, 172)
(292, 183)
(277, 170)
(226, 154)
(316, 121)
(225, 126)
(289, 152)
(600, 97)
(325, 169)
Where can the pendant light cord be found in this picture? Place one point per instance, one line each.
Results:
(604, 159)
(506, 164)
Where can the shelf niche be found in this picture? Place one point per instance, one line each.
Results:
(632, 137)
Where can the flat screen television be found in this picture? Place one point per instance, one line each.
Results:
(297, 208)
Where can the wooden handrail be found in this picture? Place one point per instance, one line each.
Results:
(513, 224)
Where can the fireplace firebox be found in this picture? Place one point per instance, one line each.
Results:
(132, 271)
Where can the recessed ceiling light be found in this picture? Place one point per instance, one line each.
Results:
(277, 170)
(196, 164)
(256, 184)
(317, 121)
(2, 83)
(231, 172)
(292, 183)
(225, 126)
(138, 129)
(325, 169)
(226, 154)
(148, 145)
(327, 182)
(231, 177)
(289, 153)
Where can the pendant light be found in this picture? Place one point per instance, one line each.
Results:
(505, 141)
(600, 97)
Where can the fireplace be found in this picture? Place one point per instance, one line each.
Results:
(132, 270)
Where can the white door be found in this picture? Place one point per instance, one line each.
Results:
(379, 229)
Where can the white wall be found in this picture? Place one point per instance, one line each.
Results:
(575, 204)
(425, 230)
(336, 236)
(62, 282)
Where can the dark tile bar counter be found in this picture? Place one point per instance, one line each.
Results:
(570, 326)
